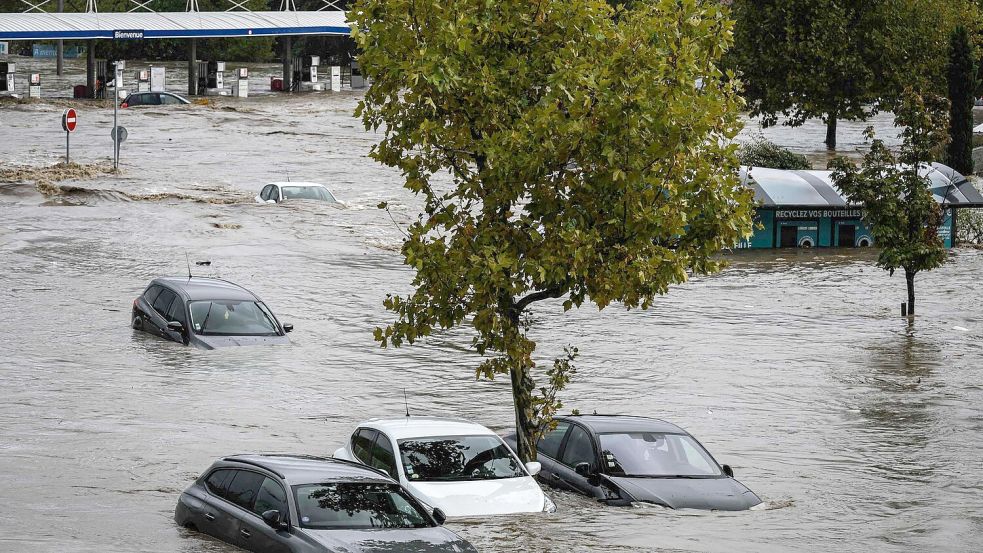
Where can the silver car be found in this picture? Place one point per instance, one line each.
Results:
(303, 504)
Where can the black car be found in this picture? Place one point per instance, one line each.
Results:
(303, 504)
(620, 459)
(206, 312)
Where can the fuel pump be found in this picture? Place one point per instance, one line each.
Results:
(7, 71)
(240, 88)
(143, 80)
(34, 89)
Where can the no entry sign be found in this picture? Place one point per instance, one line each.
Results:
(69, 120)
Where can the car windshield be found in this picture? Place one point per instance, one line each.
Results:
(656, 454)
(232, 318)
(306, 193)
(347, 505)
(458, 458)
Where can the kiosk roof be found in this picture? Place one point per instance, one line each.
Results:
(815, 189)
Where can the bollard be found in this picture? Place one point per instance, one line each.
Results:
(904, 309)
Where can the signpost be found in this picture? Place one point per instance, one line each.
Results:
(69, 120)
(118, 136)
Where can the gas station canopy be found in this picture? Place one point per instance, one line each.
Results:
(147, 25)
(775, 188)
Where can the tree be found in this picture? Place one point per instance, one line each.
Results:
(898, 203)
(764, 153)
(809, 58)
(588, 153)
(831, 59)
(962, 85)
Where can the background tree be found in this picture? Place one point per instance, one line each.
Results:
(583, 161)
(962, 85)
(804, 59)
(829, 59)
(898, 203)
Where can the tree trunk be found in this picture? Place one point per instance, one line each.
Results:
(909, 277)
(831, 131)
(522, 389)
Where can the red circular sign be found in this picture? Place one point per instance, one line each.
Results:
(69, 120)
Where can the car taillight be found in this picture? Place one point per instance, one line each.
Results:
(123, 105)
(135, 300)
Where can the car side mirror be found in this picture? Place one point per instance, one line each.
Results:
(582, 469)
(287, 327)
(728, 471)
(439, 517)
(534, 467)
(271, 201)
(273, 520)
(176, 326)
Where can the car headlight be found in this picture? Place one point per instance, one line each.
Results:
(548, 505)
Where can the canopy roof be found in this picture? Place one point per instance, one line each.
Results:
(815, 189)
(76, 26)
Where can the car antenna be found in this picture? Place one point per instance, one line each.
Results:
(407, 403)
(187, 259)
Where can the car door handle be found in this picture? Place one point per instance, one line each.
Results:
(245, 533)
(209, 516)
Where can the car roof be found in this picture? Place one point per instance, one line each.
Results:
(421, 427)
(319, 185)
(206, 288)
(306, 469)
(601, 424)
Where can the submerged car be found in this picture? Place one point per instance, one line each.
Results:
(459, 467)
(277, 192)
(621, 459)
(206, 312)
(303, 504)
(153, 99)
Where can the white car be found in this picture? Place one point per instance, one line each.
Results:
(276, 192)
(460, 467)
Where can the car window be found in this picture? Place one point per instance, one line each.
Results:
(217, 481)
(176, 312)
(578, 449)
(265, 194)
(383, 456)
(356, 505)
(168, 99)
(271, 497)
(152, 99)
(133, 100)
(458, 458)
(244, 487)
(362, 444)
(163, 302)
(656, 454)
(232, 318)
(549, 445)
(151, 294)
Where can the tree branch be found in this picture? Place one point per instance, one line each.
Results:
(536, 296)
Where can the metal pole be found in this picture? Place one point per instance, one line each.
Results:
(67, 136)
(90, 68)
(115, 116)
(193, 68)
(288, 70)
(61, 44)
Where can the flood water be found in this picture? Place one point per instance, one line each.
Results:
(862, 432)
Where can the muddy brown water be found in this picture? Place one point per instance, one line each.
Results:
(861, 431)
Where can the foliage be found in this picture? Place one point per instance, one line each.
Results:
(962, 85)
(898, 203)
(804, 59)
(582, 159)
(970, 226)
(829, 59)
(764, 153)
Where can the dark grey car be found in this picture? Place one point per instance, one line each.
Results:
(620, 459)
(303, 504)
(206, 312)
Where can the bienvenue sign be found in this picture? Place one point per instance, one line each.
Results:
(128, 35)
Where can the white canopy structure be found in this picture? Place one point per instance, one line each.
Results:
(150, 25)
